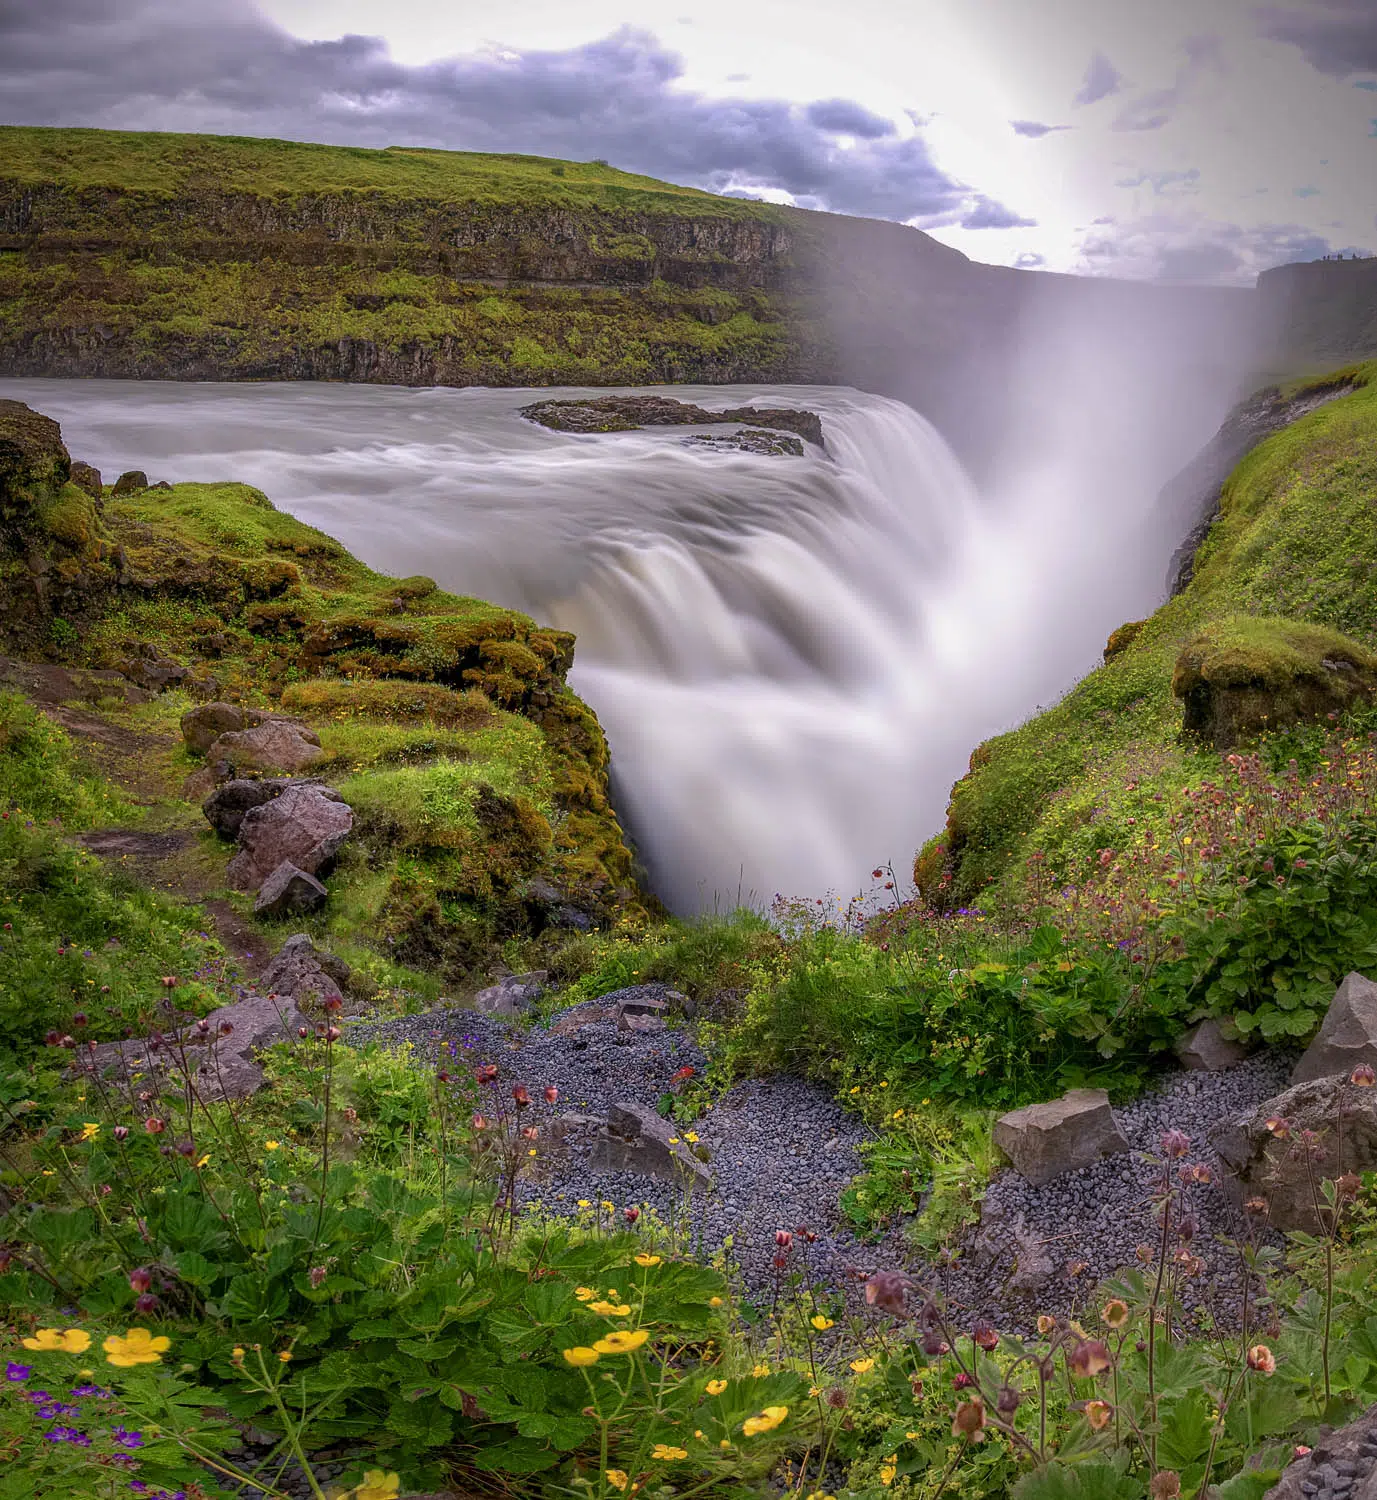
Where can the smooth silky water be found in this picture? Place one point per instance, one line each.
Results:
(792, 657)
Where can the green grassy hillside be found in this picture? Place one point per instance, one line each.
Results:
(1296, 541)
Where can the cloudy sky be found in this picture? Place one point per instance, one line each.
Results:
(1198, 140)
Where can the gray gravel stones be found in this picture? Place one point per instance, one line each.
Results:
(781, 1150)
(1096, 1218)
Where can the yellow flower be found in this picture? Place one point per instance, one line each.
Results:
(237, 1352)
(1115, 1313)
(820, 1323)
(623, 1341)
(815, 1390)
(72, 1341)
(271, 1145)
(584, 1293)
(610, 1309)
(887, 1472)
(667, 1454)
(137, 1347)
(716, 1387)
(856, 1089)
(647, 1260)
(90, 1130)
(897, 1115)
(377, 1486)
(714, 1302)
(607, 1207)
(691, 1136)
(285, 1357)
(616, 1478)
(580, 1355)
(584, 1203)
(760, 1370)
(203, 1161)
(698, 1433)
(860, 1366)
(767, 1421)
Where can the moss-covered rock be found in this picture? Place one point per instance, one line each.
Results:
(1244, 675)
(1122, 638)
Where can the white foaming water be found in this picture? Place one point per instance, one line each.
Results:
(792, 657)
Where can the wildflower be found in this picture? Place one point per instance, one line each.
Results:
(767, 1420)
(551, 1094)
(1098, 1413)
(145, 1304)
(89, 1131)
(1166, 1485)
(610, 1309)
(759, 1372)
(1008, 1400)
(580, 1356)
(647, 1260)
(285, 1357)
(69, 1341)
(969, 1421)
(860, 1366)
(1046, 1323)
(985, 1336)
(665, 1453)
(691, 1136)
(887, 1473)
(714, 1302)
(887, 1290)
(377, 1486)
(1256, 1206)
(154, 1126)
(1175, 1144)
(1278, 1127)
(622, 1341)
(126, 1439)
(584, 1293)
(1089, 1357)
(15, 1371)
(820, 1323)
(631, 1215)
(121, 1132)
(716, 1387)
(961, 1380)
(583, 1202)
(137, 1347)
(783, 1238)
(1364, 1076)
(521, 1096)
(140, 1278)
(616, 1478)
(1114, 1313)
(68, 1435)
(1261, 1359)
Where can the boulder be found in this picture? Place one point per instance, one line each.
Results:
(303, 824)
(647, 1013)
(1347, 1453)
(1044, 1141)
(33, 459)
(131, 482)
(217, 1052)
(302, 971)
(275, 745)
(1205, 1049)
(88, 479)
(204, 724)
(638, 1140)
(1347, 1035)
(1283, 1165)
(151, 670)
(289, 891)
(230, 802)
(512, 996)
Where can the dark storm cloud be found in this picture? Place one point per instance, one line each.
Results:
(1338, 37)
(1102, 79)
(1034, 129)
(1152, 110)
(221, 66)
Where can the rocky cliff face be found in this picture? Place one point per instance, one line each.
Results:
(1319, 314)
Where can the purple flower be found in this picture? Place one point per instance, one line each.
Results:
(92, 1390)
(127, 1439)
(37, 1397)
(17, 1372)
(68, 1435)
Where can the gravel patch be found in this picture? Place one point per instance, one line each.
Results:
(781, 1150)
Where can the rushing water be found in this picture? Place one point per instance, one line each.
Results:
(792, 657)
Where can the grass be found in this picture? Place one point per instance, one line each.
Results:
(164, 165)
(1296, 541)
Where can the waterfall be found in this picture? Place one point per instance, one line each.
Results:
(791, 656)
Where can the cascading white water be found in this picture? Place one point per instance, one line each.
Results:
(791, 656)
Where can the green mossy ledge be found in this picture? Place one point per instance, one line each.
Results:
(1278, 625)
(475, 770)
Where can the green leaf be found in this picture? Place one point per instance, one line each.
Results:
(1087, 1481)
(516, 1456)
(60, 1230)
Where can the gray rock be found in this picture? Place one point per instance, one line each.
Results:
(1273, 1164)
(231, 801)
(1205, 1049)
(216, 1052)
(88, 479)
(1340, 1461)
(1044, 1141)
(204, 724)
(1348, 1034)
(638, 1140)
(131, 482)
(288, 891)
(302, 971)
(644, 1013)
(512, 996)
(275, 744)
(302, 824)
